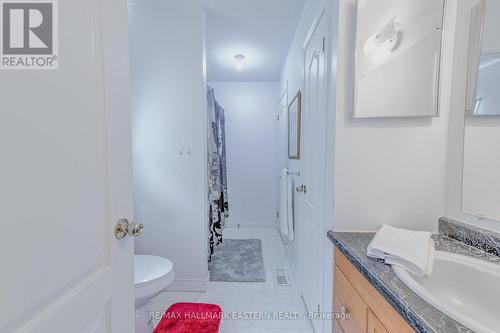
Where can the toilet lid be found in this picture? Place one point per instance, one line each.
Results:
(149, 268)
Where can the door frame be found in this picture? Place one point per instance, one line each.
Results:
(118, 111)
(279, 118)
(328, 10)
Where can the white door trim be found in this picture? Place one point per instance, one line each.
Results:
(119, 140)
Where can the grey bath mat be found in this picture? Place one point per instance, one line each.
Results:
(238, 260)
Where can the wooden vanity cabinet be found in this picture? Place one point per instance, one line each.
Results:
(366, 311)
(374, 325)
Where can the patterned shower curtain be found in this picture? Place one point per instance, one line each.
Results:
(217, 173)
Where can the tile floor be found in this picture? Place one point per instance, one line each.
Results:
(237, 298)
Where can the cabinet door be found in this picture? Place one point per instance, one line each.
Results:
(348, 302)
(336, 327)
(374, 325)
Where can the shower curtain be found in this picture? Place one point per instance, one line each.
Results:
(217, 172)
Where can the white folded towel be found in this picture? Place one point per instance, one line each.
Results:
(413, 250)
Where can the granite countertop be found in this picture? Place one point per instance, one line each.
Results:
(418, 313)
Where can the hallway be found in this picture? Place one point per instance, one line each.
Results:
(239, 299)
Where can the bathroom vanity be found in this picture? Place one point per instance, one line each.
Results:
(362, 306)
(372, 297)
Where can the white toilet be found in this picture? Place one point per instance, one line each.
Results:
(152, 275)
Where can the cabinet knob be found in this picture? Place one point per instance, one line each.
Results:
(344, 311)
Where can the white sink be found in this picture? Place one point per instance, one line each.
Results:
(464, 288)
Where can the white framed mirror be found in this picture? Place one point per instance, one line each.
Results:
(481, 155)
(397, 58)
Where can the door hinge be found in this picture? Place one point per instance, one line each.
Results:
(324, 44)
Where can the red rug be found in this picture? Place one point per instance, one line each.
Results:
(190, 318)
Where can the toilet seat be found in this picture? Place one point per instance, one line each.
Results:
(148, 269)
(152, 275)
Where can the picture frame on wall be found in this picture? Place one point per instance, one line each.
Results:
(294, 124)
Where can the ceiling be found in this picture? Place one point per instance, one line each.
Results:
(261, 30)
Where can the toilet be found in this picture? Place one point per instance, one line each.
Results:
(152, 275)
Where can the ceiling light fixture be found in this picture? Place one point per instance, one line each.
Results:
(239, 61)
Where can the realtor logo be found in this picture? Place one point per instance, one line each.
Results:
(29, 34)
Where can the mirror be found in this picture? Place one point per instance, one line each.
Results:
(483, 98)
(481, 161)
(397, 58)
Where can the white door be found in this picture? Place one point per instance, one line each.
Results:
(65, 180)
(314, 118)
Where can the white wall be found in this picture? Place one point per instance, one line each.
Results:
(389, 170)
(251, 127)
(169, 134)
(403, 172)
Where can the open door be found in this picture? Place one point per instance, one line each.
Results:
(314, 166)
(66, 177)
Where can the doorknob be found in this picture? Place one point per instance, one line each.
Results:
(124, 227)
(301, 188)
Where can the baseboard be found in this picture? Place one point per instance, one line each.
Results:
(292, 265)
(189, 285)
(252, 224)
